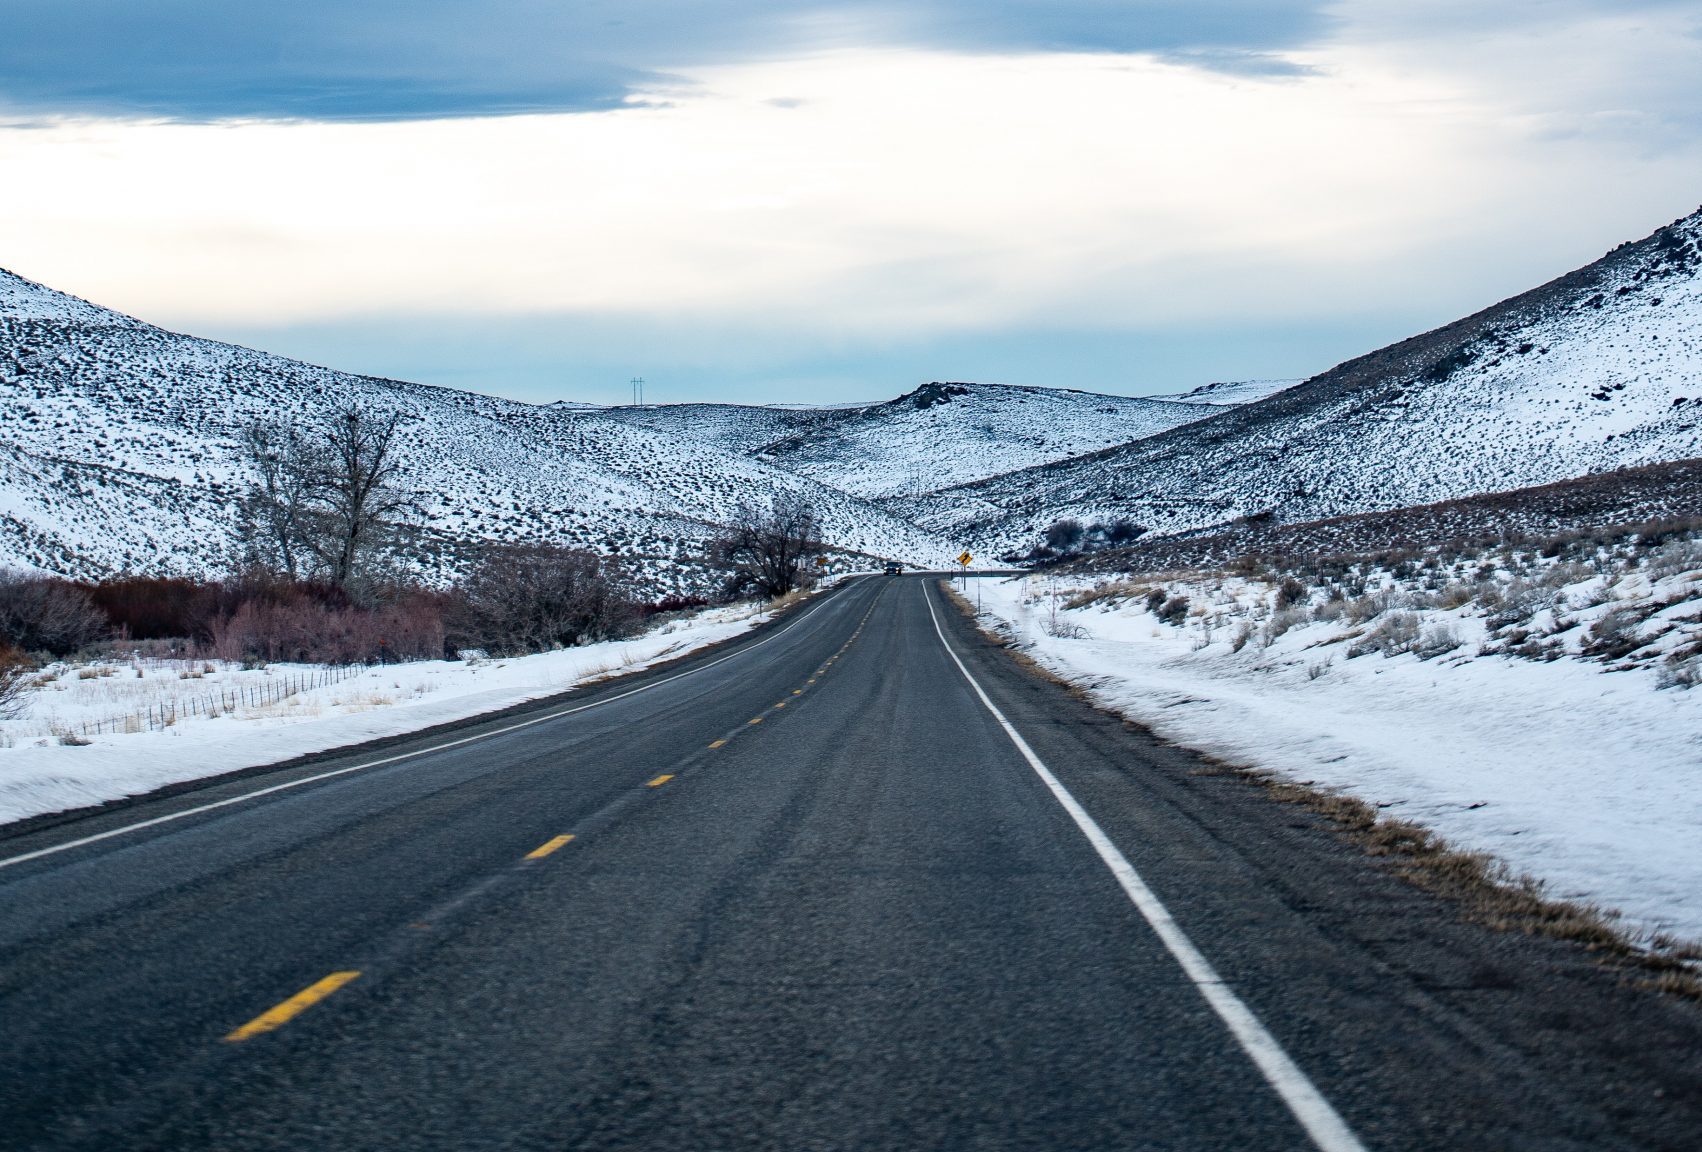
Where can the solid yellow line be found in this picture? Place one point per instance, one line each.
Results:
(660, 780)
(293, 1007)
(547, 847)
(716, 743)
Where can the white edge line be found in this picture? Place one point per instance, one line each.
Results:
(1321, 1121)
(305, 780)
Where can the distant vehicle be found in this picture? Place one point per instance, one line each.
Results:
(893, 568)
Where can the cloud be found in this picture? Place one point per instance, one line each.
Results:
(199, 61)
(958, 207)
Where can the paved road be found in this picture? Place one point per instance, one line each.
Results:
(824, 891)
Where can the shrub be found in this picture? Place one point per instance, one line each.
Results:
(300, 629)
(1396, 633)
(531, 598)
(1279, 624)
(1064, 536)
(674, 603)
(156, 608)
(1120, 533)
(1674, 558)
(1174, 610)
(1613, 635)
(1362, 609)
(1516, 603)
(47, 614)
(1678, 671)
(1290, 592)
(15, 670)
(1456, 595)
(1066, 629)
(1438, 640)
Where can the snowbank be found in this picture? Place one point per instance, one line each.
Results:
(1584, 775)
(39, 774)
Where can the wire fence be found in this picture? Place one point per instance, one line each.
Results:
(221, 701)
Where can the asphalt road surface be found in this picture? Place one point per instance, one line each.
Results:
(856, 882)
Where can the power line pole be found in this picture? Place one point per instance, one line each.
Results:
(637, 390)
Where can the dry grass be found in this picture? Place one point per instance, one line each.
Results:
(788, 600)
(1487, 892)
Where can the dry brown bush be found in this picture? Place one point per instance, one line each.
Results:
(532, 598)
(47, 614)
(15, 681)
(294, 627)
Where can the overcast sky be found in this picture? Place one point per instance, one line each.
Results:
(761, 201)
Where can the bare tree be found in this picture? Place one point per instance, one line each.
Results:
(767, 550)
(359, 500)
(324, 501)
(278, 509)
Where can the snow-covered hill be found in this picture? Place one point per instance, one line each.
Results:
(1228, 392)
(1597, 370)
(731, 427)
(118, 451)
(117, 439)
(946, 434)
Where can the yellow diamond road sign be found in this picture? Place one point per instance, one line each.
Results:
(965, 559)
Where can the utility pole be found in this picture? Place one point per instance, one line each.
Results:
(637, 390)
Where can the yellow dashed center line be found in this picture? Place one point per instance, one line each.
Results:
(293, 1007)
(822, 671)
(283, 1013)
(548, 846)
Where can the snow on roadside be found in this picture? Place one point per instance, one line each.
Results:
(39, 774)
(1584, 776)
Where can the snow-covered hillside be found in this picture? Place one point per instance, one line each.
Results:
(946, 434)
(731, 427)
(1599, 369)
(1228, 392)
(118, 444)
(119, 452)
